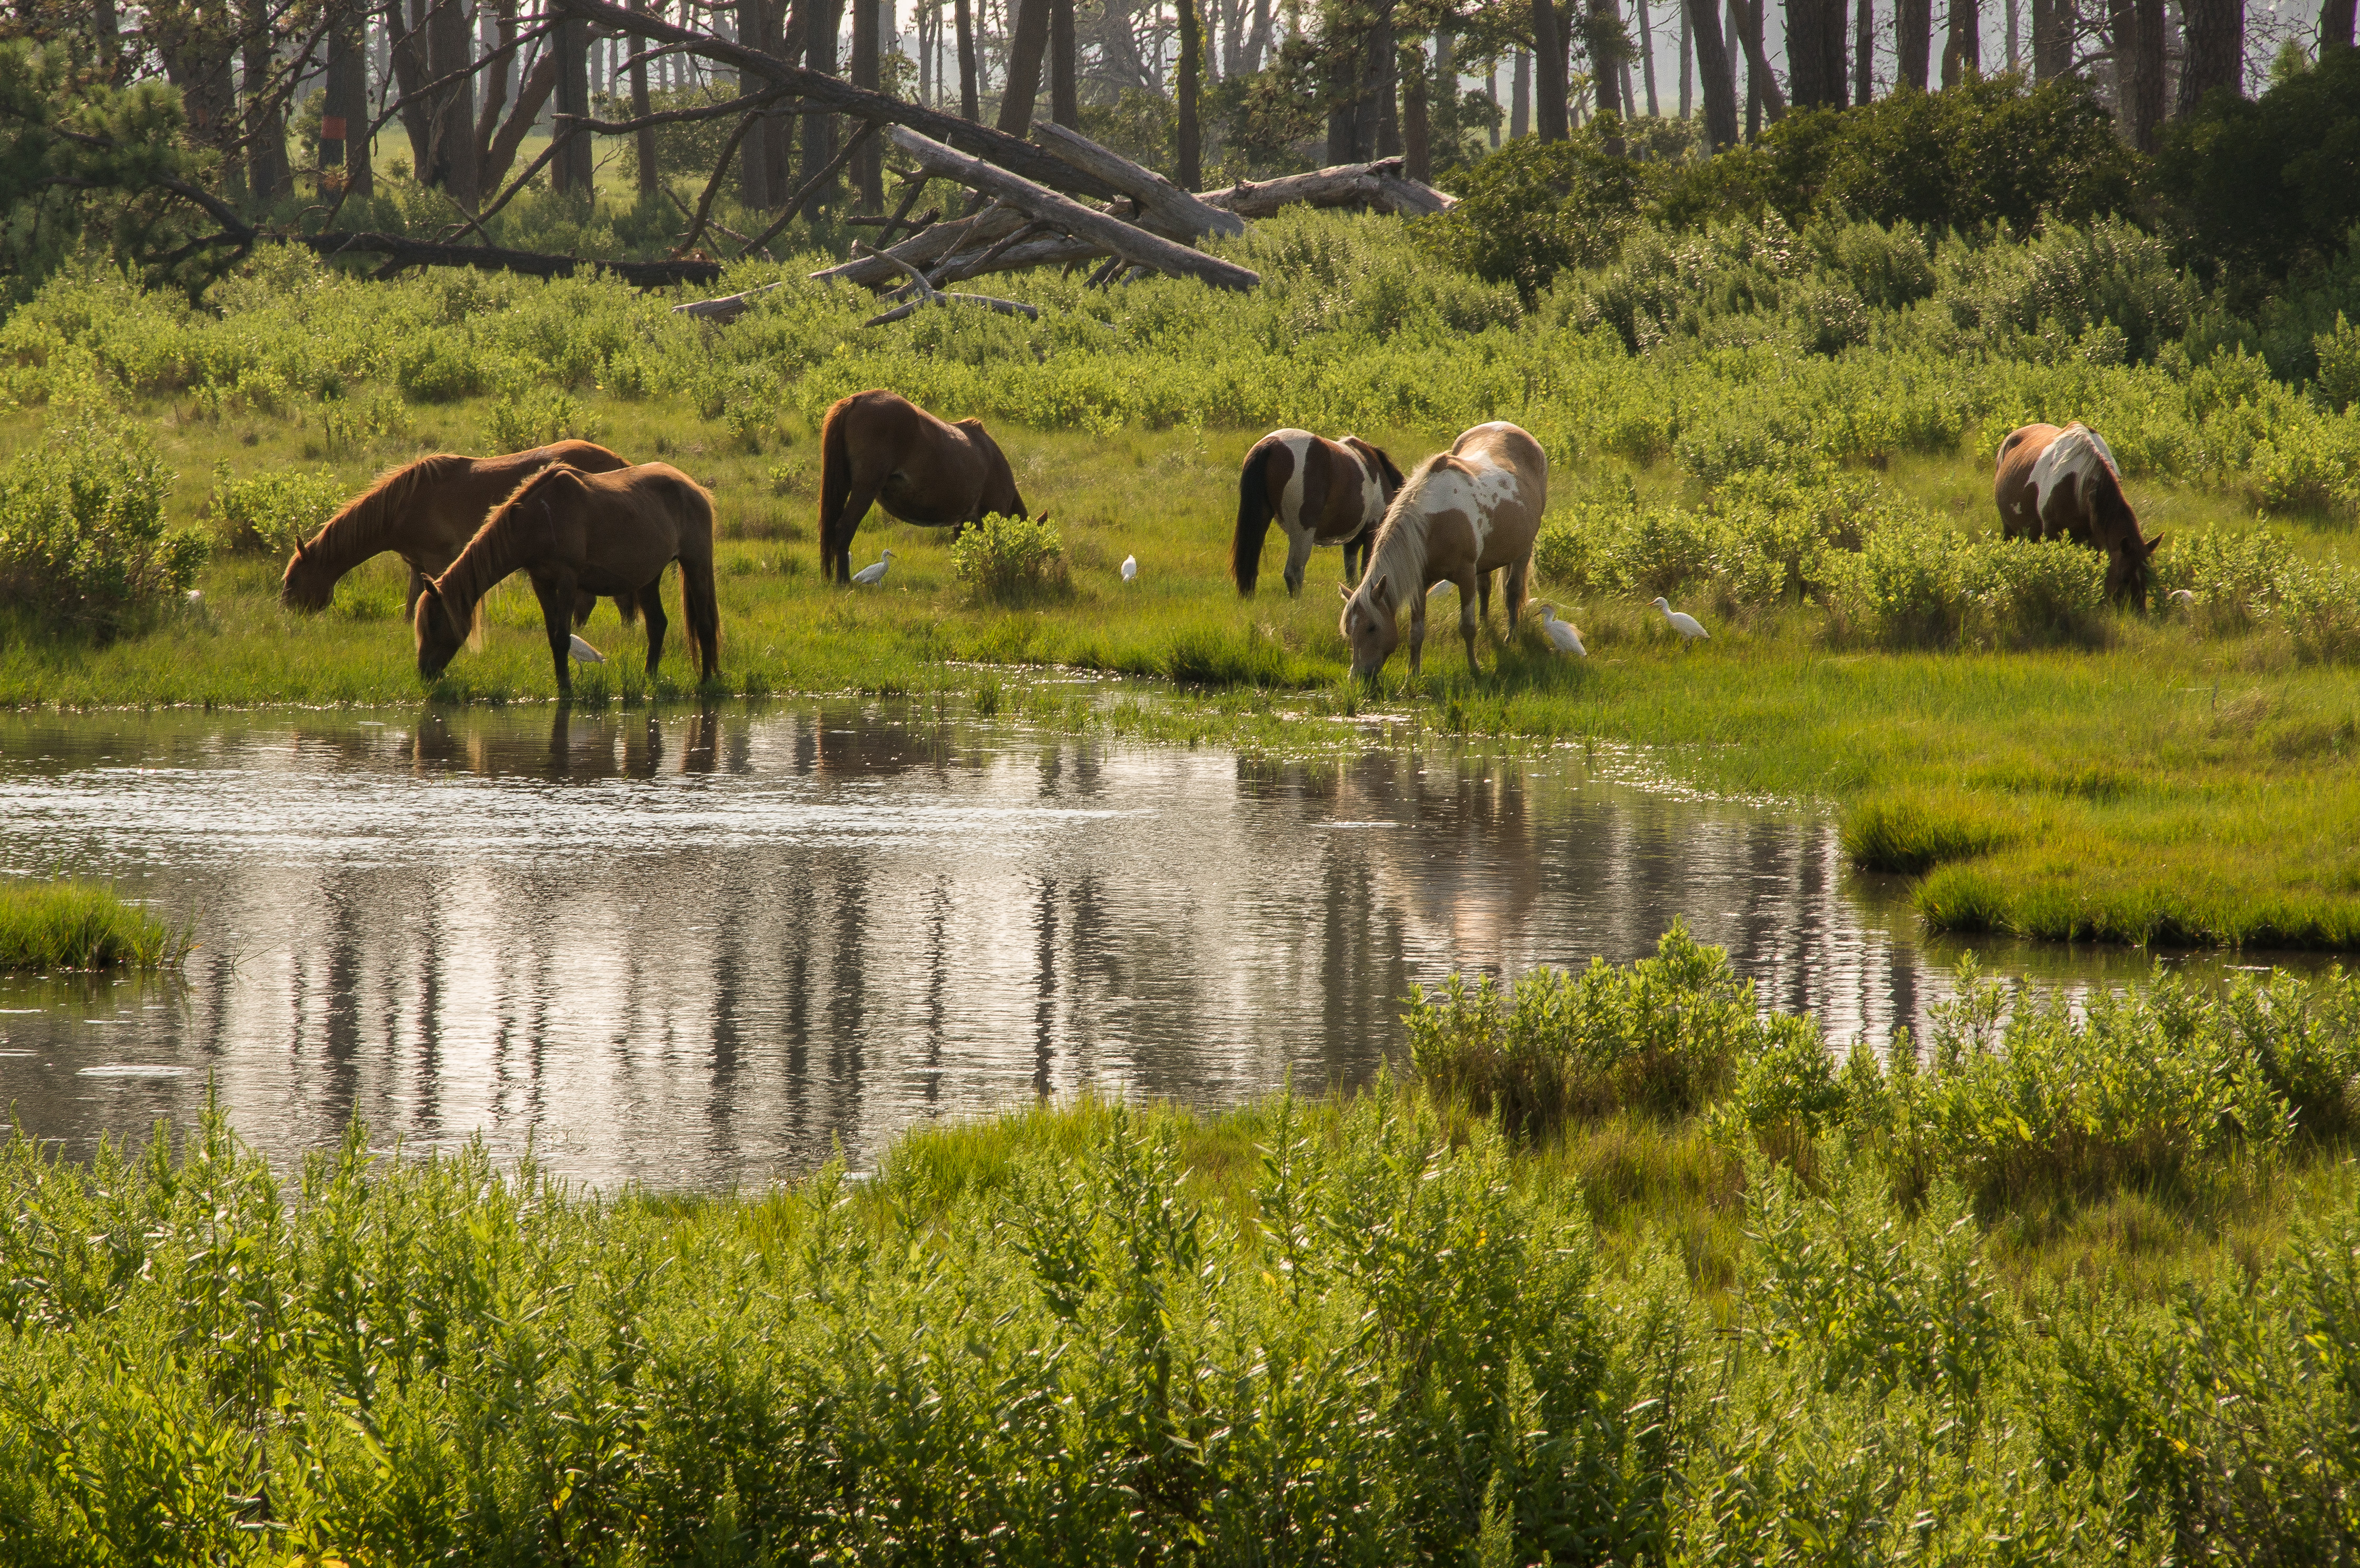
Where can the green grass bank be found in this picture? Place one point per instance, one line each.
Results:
(1716, 1303)
(78, 925)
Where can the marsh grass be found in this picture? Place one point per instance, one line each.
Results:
(81, 925)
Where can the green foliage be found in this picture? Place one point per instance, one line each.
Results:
(2338, 378)
(79, 925)
(82, 539)
(1534, 209)
(1912, 833)
(1011, 560)
(537, 417)
(273, 511)
(682, 146)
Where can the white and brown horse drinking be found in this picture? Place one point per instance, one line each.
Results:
(1466, 512)
(877, 447)
(426, 512)
(1321, 492)
(2056, 483)
(571, 532)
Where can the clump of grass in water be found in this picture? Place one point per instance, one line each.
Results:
(79, 925)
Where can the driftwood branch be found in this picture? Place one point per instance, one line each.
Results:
(929, 295)
(1034, 201)
(1379, 185)
(727, 308)
(1163, 206)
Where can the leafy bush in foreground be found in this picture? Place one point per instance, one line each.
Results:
(272, 511)
(82, 540)
(1011, 560)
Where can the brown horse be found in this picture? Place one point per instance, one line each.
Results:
(1465, 513)
(426, 512)
(2056, 483)
(571, 532)
(879, 448)
(1321, 492)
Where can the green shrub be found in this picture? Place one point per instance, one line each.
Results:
(2338, 377)
(78, 925)
(1011, 560)
(2028, 593)
(273, 511)
(82, 540)
(1534, 209)
(536, 417)
(1900, 590)
(436, 368)
(2313, 469)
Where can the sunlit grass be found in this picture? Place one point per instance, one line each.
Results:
(81, 925)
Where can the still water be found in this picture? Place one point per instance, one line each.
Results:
(697, 949)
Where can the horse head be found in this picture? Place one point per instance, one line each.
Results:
(438, 630)
(2129, 569)
(1372, 629)
(305, 585)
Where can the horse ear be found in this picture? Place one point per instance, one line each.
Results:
(2154, 544)
(1344, 592)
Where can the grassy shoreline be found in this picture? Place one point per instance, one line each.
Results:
(79, 925)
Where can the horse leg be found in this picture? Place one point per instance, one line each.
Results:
(838, 556)
(1359, 543)
(1467, 613)
(410, 599)
(1416, 631)
(1514, 585)
(555, 592)
(1298, 556)
(1482, 595)
(651, 611)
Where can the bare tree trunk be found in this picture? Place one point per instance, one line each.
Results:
(450, 51)
(1913, 40)
(1715, 78)
(2014, 22)
(2216, 50)
(569, 170)
(406, 56)
(2138, 69)
(266, 115)
(1549, 73)
(1863, 54)
(1962, 50)
(1064, 95)
(1258, 39)
(497, 68)
(753, 150)
(1024, 55)
(345, 108)
(1753, 77)
(1417, 130)
(1759, 79)
(820, 130)
(1380, 113)
(868, 166)
(2052, 38)
(969, 107)
(1610, 76)
(1520, 106)
(1806, 57)
(643, 150)
(1343, 91)
(2336, 24)
(1647, 61)
(1687, 67)
(1190, 170)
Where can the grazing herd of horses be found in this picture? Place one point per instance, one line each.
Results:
(583, 523)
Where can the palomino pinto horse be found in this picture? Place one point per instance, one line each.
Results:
(1465, 513)
(879, 448)
(571, 532)
(2057, 484)
(426, 512)
(1321, 492)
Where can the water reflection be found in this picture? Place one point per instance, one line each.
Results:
(703, 947)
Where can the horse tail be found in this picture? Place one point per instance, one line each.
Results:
(700, 607)
(1253, 519)
(835, 482)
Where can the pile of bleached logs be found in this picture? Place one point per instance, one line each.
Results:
(1149, 227)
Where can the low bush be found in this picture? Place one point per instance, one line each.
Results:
(1011, 560)
(83, 538)
(536, 417)
(273, 511)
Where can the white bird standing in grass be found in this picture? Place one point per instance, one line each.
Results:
(584, 654)
(1686, 626)
(1563, 634)
(1129, 568)
(869, 576)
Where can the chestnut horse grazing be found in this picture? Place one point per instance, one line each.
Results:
(571, 532)
(879, 448)
(1464, 513)
(2056, 483)
(426, 512)
(1321, 492)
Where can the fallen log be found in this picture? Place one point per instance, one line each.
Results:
(726, 309)
(1049, 250)
(876, 270)
(405, 252)
(1163, 206)
(1381, 185)
(929, 295)
(1135, 245)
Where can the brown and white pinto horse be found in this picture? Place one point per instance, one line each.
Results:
(877, 447)
(2056, 483)
(1321, 492)
(1465, 512)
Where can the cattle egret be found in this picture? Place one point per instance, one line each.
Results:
(869, 576)
(2181, 599)
(1563, 634)
(1129, 568)
(1686, 626)
(583, 652)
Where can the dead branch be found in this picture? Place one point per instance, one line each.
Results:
(929, 295)
(677, 116)
(712, 186)
(1163, 206)
(817, 182)
(404, 252)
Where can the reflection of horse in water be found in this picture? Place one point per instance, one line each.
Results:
(1321, 492)
(1464, 513)
(426, 512)
(573, 745)
(877, 447)
(2063, 483)
(570, 532)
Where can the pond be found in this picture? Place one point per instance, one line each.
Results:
(703, 948)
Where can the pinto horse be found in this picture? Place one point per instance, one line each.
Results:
(604, 534)
(879, 448)
(2056, 483)
(1463, 514)
(1321, 492)
(426, 512)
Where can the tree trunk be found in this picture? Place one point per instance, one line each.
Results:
(2336, 24)
(1806, 73)
(499, 67)
(2216, 50)
(406, 55)
(1258, 37)
(1343, 91)
(1760, 82)
(1753, 77)
(1863, 55)
(451, 109)
(868, 167)
(1520, 104)
(820, 130)
(266, 113)
(1381, 84)
(1913, 40)
(1716, 81)
(1647, 61)
(569, 170)
(643, 147)
(753, 150)
(1190, 171)
(970, 107)
(1024, 55)
(1417, 130)
(2014, 22)
(1688, 67)
(2138, 69)
(346, 104)
(1608, 78)
(1549, 74)
(1064, 95)
(1962, 50)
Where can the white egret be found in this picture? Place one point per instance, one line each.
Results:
(869, 576)
(1686, 626)
(585, 653)
(1563, 634)
(1129, 568)
(2182, 599)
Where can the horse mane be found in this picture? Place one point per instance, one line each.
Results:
(1399, 544)
(359, 527)
(487, 558)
